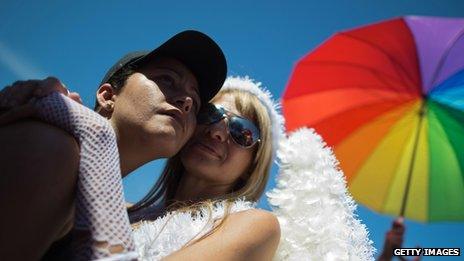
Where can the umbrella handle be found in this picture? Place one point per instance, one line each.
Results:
(421, 114)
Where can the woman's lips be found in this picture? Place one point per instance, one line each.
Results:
(209, 150)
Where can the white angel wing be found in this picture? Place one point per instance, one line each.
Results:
(313, 205)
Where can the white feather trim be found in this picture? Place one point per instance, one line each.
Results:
(273, 107)
(312, 203)
(157, 239)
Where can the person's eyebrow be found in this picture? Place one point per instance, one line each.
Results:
(195, 88)
(170, 70)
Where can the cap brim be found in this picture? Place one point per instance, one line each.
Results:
(200, 54)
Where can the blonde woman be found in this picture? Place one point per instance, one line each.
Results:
(202, 207)
(212, 184)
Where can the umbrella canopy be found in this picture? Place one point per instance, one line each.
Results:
(389, 99)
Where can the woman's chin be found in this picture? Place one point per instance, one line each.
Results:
(198, 160)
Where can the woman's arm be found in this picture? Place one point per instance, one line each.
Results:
(248, 235)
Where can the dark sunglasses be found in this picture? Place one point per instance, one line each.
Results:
(243, 131)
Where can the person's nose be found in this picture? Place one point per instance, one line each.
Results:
(219, 131)
(184, 103)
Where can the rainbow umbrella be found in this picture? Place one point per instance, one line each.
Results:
(389, 99)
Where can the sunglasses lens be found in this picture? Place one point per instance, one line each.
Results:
(210, 114)
(243, 131)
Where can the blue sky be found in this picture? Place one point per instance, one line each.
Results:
(78, 40)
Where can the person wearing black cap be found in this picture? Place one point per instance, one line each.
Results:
(189, 59)
(150, 99)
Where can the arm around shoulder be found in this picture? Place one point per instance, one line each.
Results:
(37, 183)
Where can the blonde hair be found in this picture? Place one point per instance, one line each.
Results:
(250, 189)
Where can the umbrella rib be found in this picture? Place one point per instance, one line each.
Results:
(376, 73)
(394, 62)
(444, 56)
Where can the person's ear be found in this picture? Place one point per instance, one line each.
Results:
(106, 96)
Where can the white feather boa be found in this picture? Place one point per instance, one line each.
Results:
(157, 239)
(314, 208)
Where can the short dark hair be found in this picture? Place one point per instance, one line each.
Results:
(118, 79)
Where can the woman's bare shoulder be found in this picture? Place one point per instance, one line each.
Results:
(254, 216)
(254, 233)
(260, 224)
(246, 235)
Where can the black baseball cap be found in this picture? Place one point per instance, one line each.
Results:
(195, 50)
